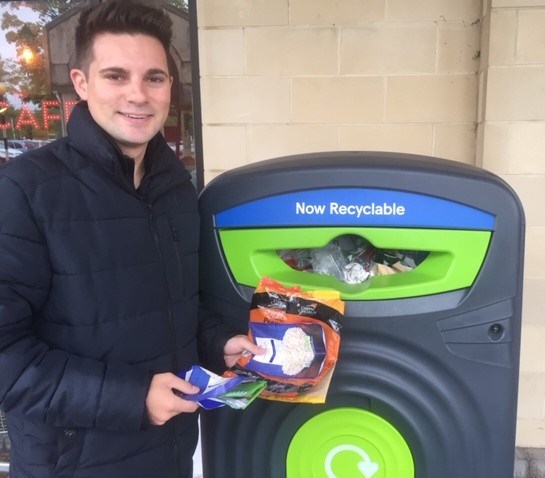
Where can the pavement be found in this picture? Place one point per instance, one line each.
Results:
(530, 463)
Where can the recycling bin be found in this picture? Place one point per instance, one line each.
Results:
(426, 379)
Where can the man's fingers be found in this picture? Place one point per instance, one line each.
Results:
(163, 402)
(251, 347)
(183, 386)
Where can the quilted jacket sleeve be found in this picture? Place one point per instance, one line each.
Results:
(213, 334)
(43, 384)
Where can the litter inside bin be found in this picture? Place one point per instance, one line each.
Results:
(352, 259)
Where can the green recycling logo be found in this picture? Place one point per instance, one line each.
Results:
(366, 466)
(348, 442)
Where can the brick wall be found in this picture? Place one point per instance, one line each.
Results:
(282, 77)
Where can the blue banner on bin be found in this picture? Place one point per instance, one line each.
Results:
(355, 207)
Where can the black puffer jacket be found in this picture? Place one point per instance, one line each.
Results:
(98, 291)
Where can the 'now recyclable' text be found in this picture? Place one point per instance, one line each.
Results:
(358, 210)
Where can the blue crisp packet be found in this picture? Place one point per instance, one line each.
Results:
(216, 391)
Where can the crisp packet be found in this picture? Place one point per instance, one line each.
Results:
(215, 391)
(300, 332)
(291, 350)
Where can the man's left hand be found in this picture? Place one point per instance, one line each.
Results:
(236, 345)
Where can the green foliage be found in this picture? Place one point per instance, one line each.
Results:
(25, 74)
(50, 9)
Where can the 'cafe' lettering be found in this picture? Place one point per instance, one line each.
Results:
(28, 118)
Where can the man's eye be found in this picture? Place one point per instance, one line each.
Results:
(156, 79)
(113, 77)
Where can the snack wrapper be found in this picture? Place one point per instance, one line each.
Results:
(216, 391)
(300, 332)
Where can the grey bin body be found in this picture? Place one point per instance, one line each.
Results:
(441, 368)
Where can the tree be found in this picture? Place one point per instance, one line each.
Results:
(6, 67)
(50, 9)
(24, 75)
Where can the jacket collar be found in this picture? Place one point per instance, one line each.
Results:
(91, 141)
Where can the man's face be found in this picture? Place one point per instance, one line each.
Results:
(127, 88)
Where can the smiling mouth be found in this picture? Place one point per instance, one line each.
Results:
(134, 116)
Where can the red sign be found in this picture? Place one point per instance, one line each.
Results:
(28, 118)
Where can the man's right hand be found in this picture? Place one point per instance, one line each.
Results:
(163, 403)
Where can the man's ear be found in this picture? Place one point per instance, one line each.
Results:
(79, 80)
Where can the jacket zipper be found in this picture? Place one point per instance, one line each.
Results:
(177, 253)
(148, 206)
(169, 297)
(170, 321)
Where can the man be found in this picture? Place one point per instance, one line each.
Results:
(98, 273)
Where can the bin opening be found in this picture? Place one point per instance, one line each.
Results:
(453, 261)
(352, 259)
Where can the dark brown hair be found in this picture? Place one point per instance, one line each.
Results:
(119, 16)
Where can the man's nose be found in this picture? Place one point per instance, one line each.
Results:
(137, 91)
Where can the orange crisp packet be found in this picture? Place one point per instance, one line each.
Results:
(300, 331)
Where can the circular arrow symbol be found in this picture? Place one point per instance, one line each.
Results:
(366, 467)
